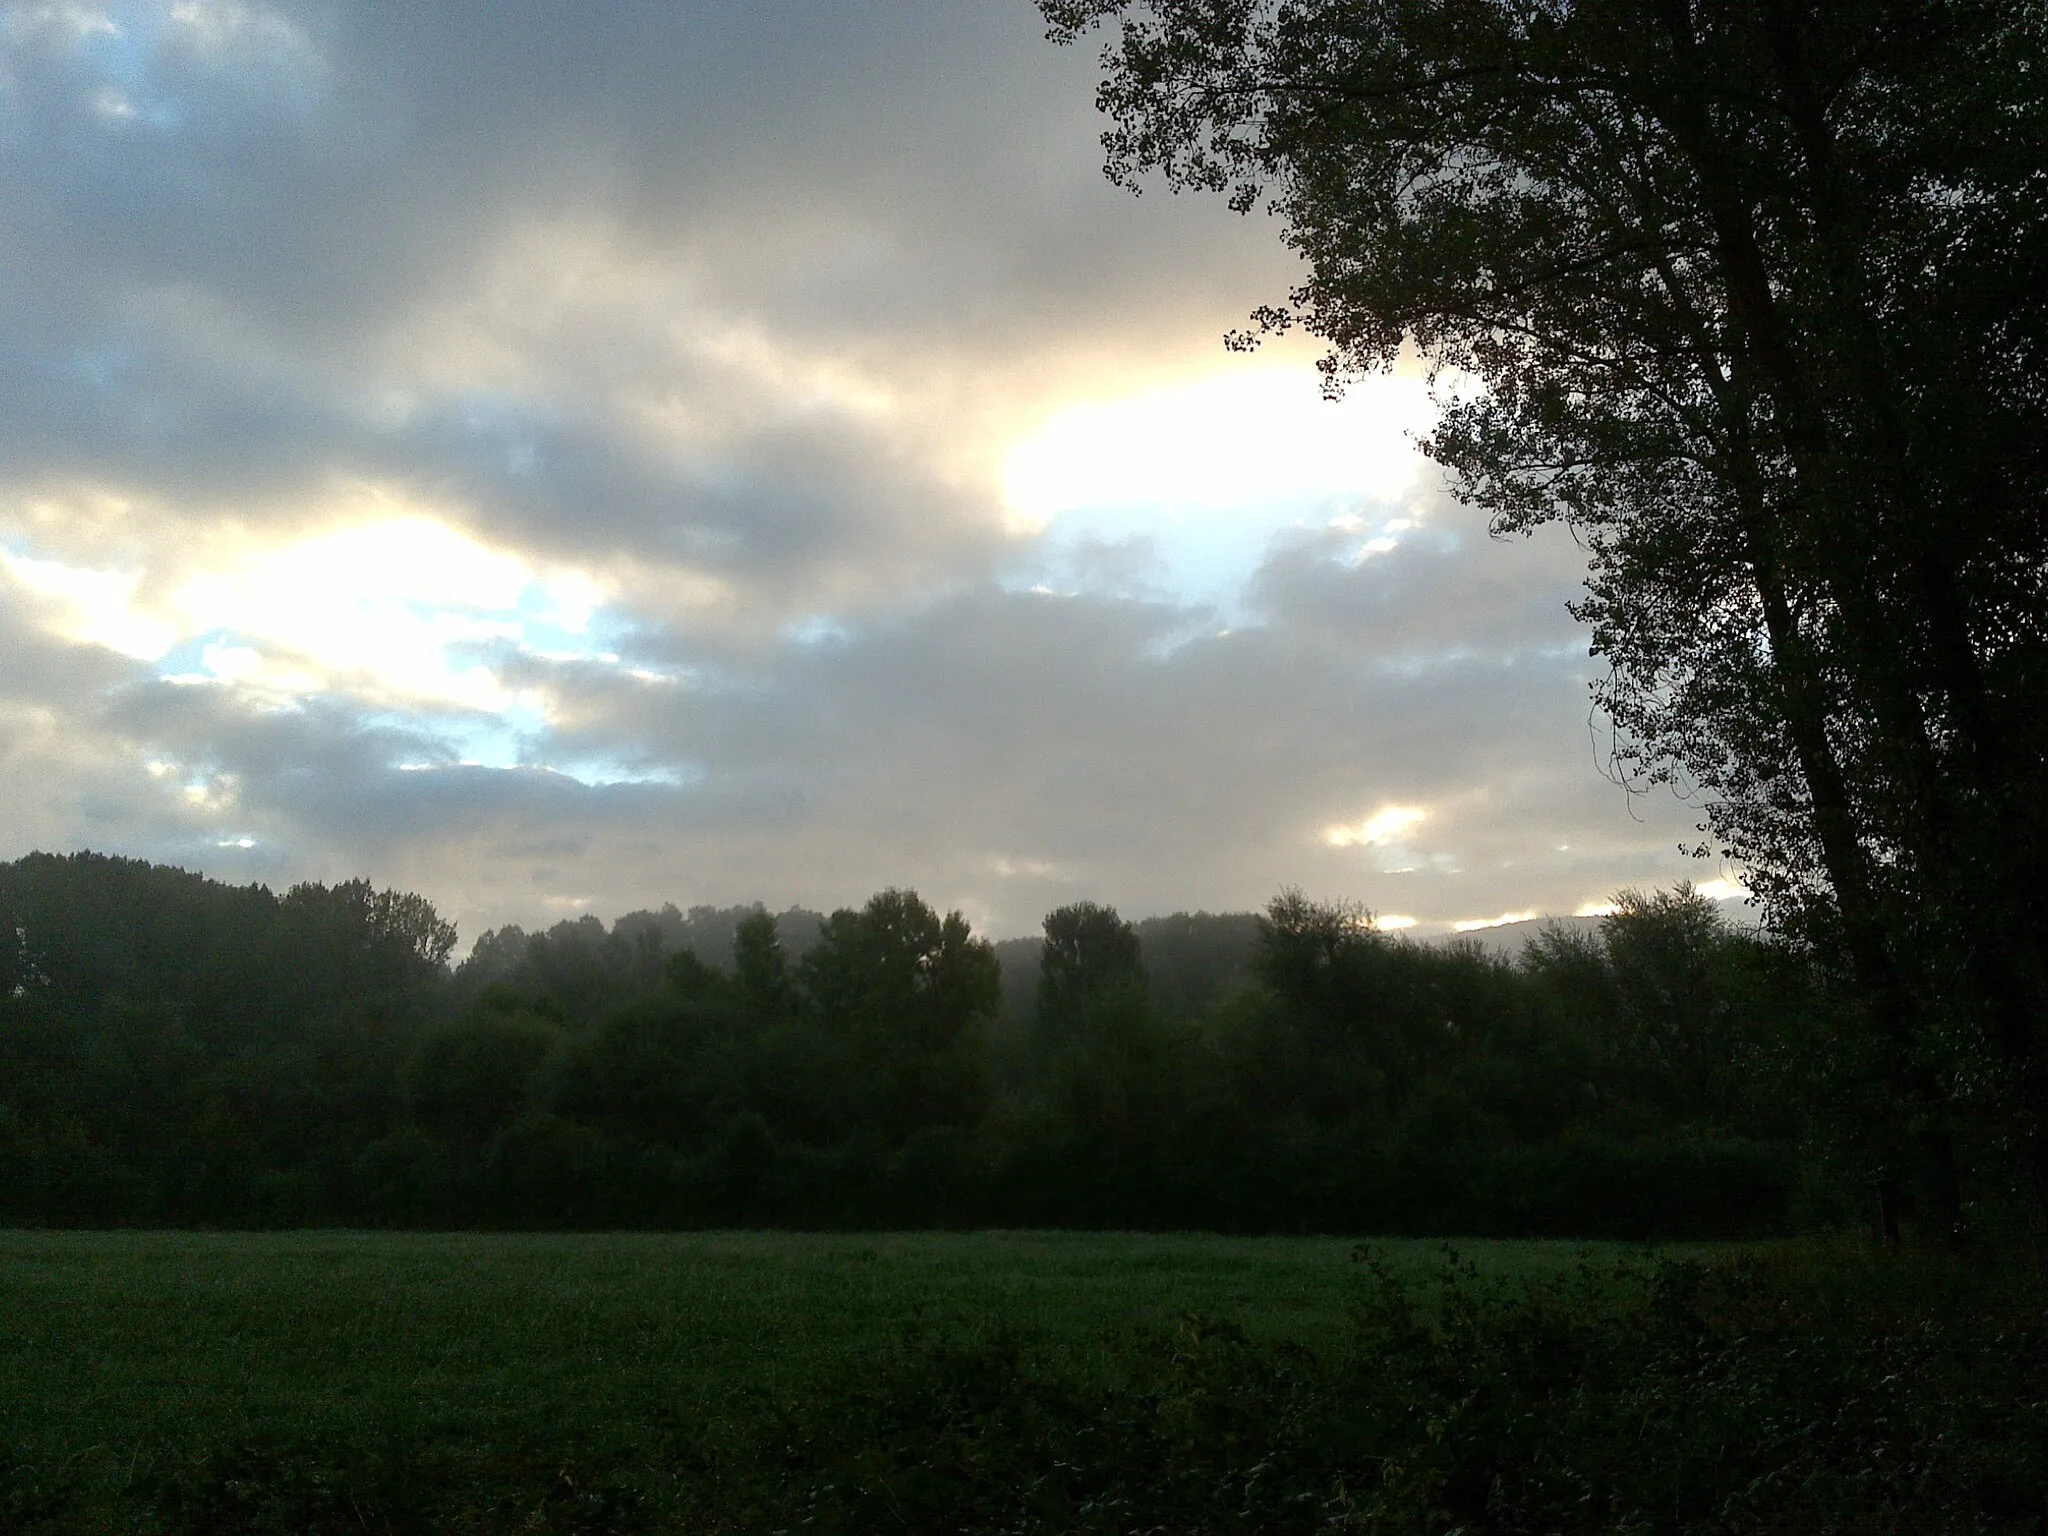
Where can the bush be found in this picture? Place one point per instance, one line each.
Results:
(1752, 1397)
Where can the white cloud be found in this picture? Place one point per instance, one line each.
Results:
(1389, 824)
(72, 16)
(93, 607)
(1239, 438)
(382, 608)
(1724, 888)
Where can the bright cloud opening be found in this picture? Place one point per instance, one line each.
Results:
(392, 608)
(91, 607)
(1393, 922)
(1389, 824)
(1723, 889)
(376, 606)
(1250, 437)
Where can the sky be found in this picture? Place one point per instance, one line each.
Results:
(563, 458)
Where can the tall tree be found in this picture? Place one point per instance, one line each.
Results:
(910, 991)
(761, 966)
(1089, 959)
(1749, 292)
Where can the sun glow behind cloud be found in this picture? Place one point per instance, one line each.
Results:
(91, 607)
(395, 608)
(385, 608)
(1182, 490)
(1389, 824)
(1723, 889)
(1250, 437)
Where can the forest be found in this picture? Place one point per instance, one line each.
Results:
(177, 1051)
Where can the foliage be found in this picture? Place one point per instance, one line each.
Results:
(188, 1052)
(1090, 958)
(1715, 1403)
(1749, 293)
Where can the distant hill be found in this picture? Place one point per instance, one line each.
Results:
(1192, 959)
(1508, 940)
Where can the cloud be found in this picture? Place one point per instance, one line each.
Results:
(1386, 825)
(91, 606)
(561, 459)
(1219, 444)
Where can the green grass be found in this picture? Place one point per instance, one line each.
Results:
(153, 1338)
(1001, 1382)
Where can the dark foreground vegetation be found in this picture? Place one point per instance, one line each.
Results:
(178, 1052)
(312, 1383)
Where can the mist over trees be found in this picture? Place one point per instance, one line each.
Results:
(1753, 295)
(174, 1050)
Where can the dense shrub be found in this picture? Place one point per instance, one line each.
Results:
(1758, 1396)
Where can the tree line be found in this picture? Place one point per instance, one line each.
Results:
(178, 1051)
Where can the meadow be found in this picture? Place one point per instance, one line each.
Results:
(170, 1339)
(199, 1382)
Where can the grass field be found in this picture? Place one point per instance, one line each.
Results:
(151, 1337)
(120, 1350)
(302, 1382)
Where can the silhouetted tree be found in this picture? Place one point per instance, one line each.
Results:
(1751, 292)
(909, 991)
(1089, 955)
(761, 967)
